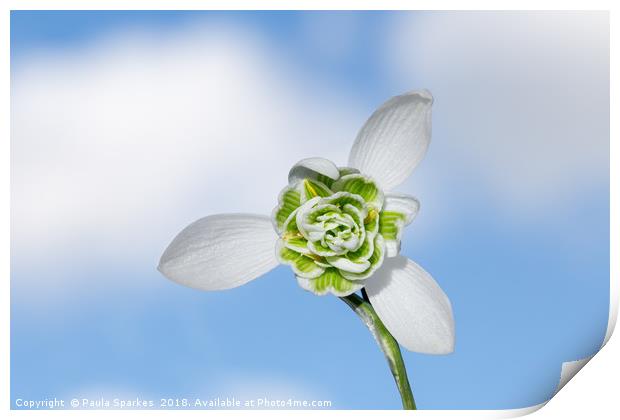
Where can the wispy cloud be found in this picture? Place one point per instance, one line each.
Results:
(522, 99)
(118, 145)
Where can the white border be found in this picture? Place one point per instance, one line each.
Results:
(596, 396)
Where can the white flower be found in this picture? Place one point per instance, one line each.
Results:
(338, 228)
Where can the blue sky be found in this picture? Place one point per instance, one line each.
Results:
(124, 121)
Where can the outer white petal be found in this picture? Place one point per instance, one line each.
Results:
(394, 139)
(412, 306)
(221, 252)
(308, 168)
(403, 204)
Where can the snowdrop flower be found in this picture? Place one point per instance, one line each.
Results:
(339, 229)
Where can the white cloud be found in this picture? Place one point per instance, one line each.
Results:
(119, 145)
(521, 99)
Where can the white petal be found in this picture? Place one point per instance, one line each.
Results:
(392, 248)
(412, 306)
(403, 204)
(394, 139)
(310, 167)
(221, 252)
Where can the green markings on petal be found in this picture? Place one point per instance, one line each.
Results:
(320, 250)
(391, 225)
(324, 281)
(303, 265)
(311, 188)
(365, 251)
(363, 186)
(371, 222)
(377, 256)
(290, 224)
(347, 171)
(296, 242)
(342, 286)
(321, 211)
(330, 281)
(336, 226)
(398, 211)
(329, 181)
(325, 180)
(342, 198)
(288, 202)
(355, 213)
(321, 262)
(375, 260)
(314, 168)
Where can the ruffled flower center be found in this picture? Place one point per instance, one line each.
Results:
(329, 231)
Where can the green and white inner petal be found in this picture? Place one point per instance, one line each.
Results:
(364, 252)
(303, 265)
(315, 168)
(345, 265)
(288, 201)
(331, 230)
(296, 242)
(318, 249)
(363, 186)
(310, 188)
(331, 281)
(371, 221)
(342, 198)
(398, 211)
(306, 217)
(375, 261)
(344, 170)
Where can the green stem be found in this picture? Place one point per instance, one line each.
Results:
(387, 343)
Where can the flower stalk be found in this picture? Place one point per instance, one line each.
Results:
(387, 343)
